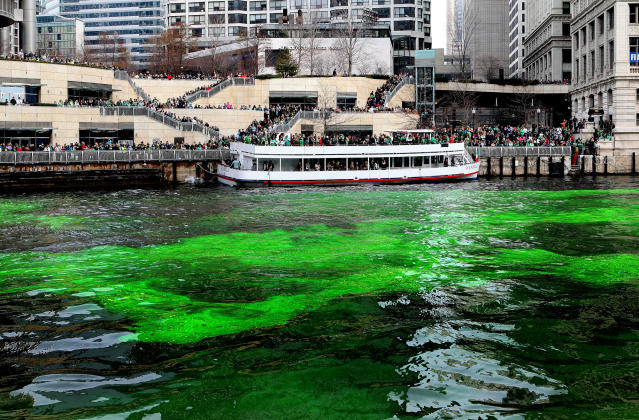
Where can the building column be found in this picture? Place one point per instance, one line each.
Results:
(5, 40)
(28, 27)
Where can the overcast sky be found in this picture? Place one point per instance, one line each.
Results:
(438, 23)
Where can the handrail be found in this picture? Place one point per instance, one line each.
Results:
(123, 75)
(204, 93)
(111, 156)
(160, 117)
(405, 80)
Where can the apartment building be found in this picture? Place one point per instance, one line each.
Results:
(225, 20)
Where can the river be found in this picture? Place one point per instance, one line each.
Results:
(504, 298)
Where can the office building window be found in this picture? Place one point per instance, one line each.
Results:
(217, 19)
(217, 6)
(196, 20)
(177, 8)
(275, 17)
(237, 18)
(404, 25)
(611, 54)
(237, 30)
(196, 7)
(565, 8)
(258, 18)
(383, 12)
(400, 12)
(258, 5)
(634, 12)
(611, 18)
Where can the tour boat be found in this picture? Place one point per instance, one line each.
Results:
(274, 165)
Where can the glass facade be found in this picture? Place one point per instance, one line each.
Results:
(60, 37)
(134, 22)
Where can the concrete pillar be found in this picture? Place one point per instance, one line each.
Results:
(28, 27)
(5, 40)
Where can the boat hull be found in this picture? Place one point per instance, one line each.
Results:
(239, 181)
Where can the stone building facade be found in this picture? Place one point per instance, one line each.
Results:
(605, 77)
(547, 46)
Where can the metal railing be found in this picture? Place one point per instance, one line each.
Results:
(495, 151)
(300, 115)
(111, 156)
(233, 81)
(123, 75)
(160, 117)
(405, 80)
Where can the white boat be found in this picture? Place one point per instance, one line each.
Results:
(344, 165)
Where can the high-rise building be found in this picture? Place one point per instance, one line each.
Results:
(516, 37)
(60, 37)
(605, 62)
(17, 26)
(454, 26)
(547, 45)
(132, 22)
(485, 31)
(218, 21)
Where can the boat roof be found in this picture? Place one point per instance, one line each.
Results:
(415, 131)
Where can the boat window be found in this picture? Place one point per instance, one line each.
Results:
(417, 161)
(291, 164)
(357, 164)
(426, 160)
(336, 164)
(397, 162)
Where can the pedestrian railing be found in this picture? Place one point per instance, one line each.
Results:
(495, 151)
(123, 75)
(406, 80)
(233, 81)
(286, 126)
(160, 117)
(111, 156)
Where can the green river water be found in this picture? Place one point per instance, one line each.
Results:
(489, 299)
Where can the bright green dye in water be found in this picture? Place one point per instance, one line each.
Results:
(335, 304)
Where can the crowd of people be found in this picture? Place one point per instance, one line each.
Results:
(377, 98)
(53, 60)
(108, 145)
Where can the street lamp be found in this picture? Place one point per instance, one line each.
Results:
(538, 112)
(474, 111)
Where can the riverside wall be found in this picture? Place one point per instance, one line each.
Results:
(516, 166)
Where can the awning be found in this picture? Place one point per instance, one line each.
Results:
(19, 81)
(292, 94)
(342, 127)
(108, 126)
(6, 84)
(25, 125)
(98, 87)
(347, 94)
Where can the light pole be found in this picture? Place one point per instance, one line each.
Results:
(538, 112)
(474, 111)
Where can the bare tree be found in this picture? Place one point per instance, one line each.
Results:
(460, 55)
(170, 47)
(348, 45)
(521, 102)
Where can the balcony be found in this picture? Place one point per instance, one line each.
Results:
(6, 13)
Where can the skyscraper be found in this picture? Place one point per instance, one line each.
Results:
(516, 37)
(486, 33)
(133, 22)
(454, 26)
